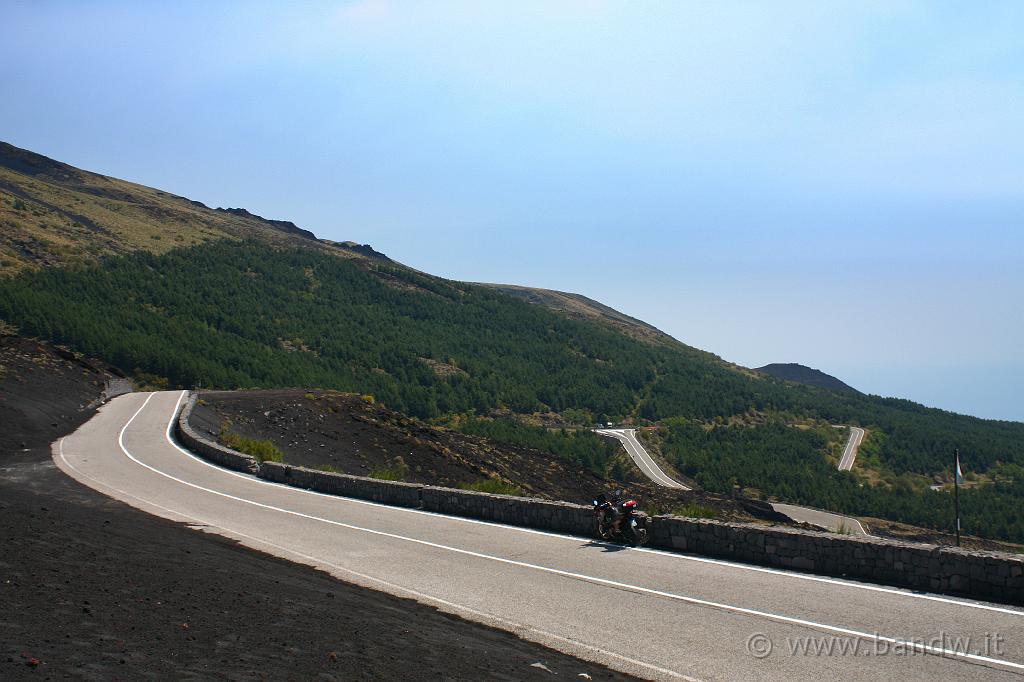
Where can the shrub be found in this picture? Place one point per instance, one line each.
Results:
(580, 447)
(492, 485)
(695, 511)
(261, 450)
(396, 472)
(144, 381)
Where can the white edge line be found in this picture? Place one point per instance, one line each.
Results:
(651, 464)
(841, 517)
(483, 616)
(916, 646)
(856, 433)
(645, 550)
(630, 436)
(654, 472)
(646, 456)
(641, 458)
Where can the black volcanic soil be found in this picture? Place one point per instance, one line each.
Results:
(341, 430)
(901, 531)
(93, 589)
(316, 428)
(42, 390)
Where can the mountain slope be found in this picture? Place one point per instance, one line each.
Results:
(55, 214)
(52, 213)
(580, 307)
(241, 314)
(801, 374)
(246, 302)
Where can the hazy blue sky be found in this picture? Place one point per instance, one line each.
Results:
(834, 183)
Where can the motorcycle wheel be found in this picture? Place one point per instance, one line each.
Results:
(640, 537)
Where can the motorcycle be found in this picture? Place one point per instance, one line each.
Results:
(619, 520)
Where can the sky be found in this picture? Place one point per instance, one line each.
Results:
(839, 184)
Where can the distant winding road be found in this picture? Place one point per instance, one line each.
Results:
(850, 451)
(643, 460)
(837, 523)
(657, 614)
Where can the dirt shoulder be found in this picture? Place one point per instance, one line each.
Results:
(94, 589)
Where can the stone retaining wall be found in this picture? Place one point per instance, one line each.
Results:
(207, 449)
(987, 575)
(359, 487)
(561, 517)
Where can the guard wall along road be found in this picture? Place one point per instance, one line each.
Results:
(992, 576)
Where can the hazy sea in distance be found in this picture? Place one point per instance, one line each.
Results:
(990, 391)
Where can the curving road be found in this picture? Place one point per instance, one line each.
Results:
(837, 523)
(643, 460)
(657, 614)
(850, 451)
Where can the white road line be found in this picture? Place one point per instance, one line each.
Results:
(541, 636)
(639, 450)
(860, 525)
(576, 538)
(650, 468)
(904, 644)
(784, 508)
(850, 451)
(641, 458)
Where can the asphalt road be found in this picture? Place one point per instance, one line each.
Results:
(658, 614)
(643, 460)
(850, 451)
(837, 523)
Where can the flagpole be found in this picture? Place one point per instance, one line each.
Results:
(956, 491)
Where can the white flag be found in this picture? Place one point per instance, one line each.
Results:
(959, 474)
